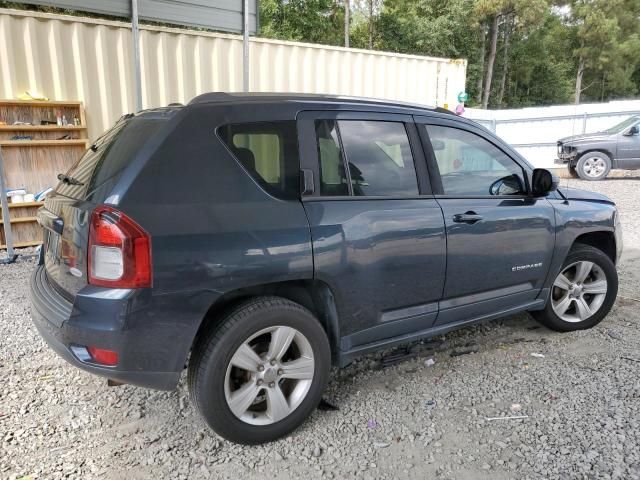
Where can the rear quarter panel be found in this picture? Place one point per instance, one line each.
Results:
(213, 229)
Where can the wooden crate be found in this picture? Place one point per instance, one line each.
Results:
(34, 164)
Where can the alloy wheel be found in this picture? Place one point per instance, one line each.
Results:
(594, 167)
(578, 291)
(269, 375)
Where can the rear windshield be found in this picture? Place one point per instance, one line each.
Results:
(108, 156)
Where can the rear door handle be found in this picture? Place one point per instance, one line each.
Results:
(467, 217)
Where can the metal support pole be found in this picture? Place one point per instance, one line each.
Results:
(245, 46)
(136, 53)
(8, 237)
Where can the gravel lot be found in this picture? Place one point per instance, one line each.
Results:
(408, 420)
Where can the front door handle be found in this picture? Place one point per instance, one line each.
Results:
(467, 217)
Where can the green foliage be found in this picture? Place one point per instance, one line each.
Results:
(316, 21)
(606, 39)
(540, 73)
(427, 27)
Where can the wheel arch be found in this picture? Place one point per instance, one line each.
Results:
(603, 240)
(606, 151)
(314, 295)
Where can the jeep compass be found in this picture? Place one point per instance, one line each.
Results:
(260, 239)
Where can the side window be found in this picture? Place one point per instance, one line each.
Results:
(379, 158)
(333, 179)
(378, 154)
(269, 152)
(470, 165)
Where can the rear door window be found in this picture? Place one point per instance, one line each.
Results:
(365, 158)
(269, 152)
(333, 176)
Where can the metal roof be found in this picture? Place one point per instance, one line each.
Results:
(224, 15)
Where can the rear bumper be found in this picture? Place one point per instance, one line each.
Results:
(102, 318)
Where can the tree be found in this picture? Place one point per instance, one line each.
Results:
(525, 12)
(428, 27)
(541, 65)
(596, 33)
(480, 64)
(347, 11)
(605, 44)
(316, 21)
(507, 29)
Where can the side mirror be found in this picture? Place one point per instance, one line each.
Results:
(543, 182)
(633, 131)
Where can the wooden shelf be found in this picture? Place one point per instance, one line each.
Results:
(24, 244)
(34, 164)
(44, 143)
(40, 128)
(40, 103)
(26, 204)
(21, 220)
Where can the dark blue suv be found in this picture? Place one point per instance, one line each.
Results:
(263, 238)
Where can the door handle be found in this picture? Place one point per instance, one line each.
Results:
(467, 217)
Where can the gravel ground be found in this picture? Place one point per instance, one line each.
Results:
(408, 420)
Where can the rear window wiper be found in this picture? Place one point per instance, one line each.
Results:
(69, 180)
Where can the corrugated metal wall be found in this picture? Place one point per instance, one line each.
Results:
(71, 58)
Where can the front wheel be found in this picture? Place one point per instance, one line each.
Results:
(593, 166)
(261, 372)
(582, 293)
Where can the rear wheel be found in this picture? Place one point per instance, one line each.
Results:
(261, 372)
(583, 292)
(593, 166)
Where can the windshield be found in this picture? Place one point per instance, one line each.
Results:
(620, 127)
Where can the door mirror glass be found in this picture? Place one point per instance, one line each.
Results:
(633, 131)
(509, 185)
(543, 182)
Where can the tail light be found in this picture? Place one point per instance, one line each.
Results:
(119, 251)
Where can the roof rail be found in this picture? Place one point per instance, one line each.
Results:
(444, 110)
(212, 97)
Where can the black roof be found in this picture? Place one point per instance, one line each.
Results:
(261, 97)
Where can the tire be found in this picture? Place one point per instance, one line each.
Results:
(571, 170)
(265, 326)
(593, 166)
(583, 292)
